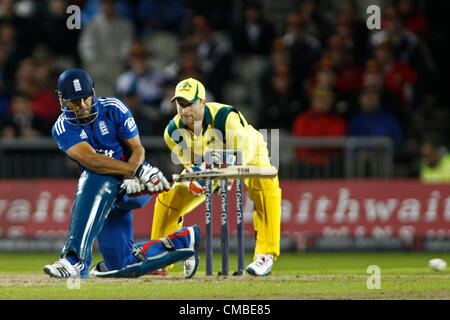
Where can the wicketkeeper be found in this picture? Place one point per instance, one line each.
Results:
(201, 125)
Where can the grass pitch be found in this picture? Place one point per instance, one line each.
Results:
(294, 276)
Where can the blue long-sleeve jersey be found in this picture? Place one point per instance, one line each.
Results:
(113, 124)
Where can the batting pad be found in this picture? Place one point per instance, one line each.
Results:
(141, 268)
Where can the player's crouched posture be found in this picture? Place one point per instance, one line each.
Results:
(100, 135)
(201, 125)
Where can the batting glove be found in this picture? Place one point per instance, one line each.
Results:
(134, 187)
(152, 178)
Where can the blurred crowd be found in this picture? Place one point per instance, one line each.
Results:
(310, 74)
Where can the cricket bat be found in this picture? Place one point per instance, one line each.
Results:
(233, 172)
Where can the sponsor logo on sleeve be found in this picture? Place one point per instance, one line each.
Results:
(131, 124)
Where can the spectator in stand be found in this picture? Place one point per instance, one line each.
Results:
(315, 25)
(325, 76)
(104, 47)
(373, 76)
(304, 49)
(156, 15)
(146, 82)
(6, 76)
(141, 77)
(46, 71)
(8, 10)
(435, 166)
(221, 14)
(412, 20)
(91, 8)
(254, 34)
(12, 51)
(399, 78)
(373, 120)
(213, 55)
(26, 9)
(347, 74)
(280, 101)
(21, 121)
(404, 44)
(5, 83)
(54, 32)
(353, 29)
(319, 121)
(409, 33)
(184, 67)
(31, 80)
(4, 106)
(278, 91)
(355, 43)
(22, 15)
(279, 57)
(406, 48)
(186, 63)
(24, 75)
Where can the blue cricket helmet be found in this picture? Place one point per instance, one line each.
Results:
(74, 84)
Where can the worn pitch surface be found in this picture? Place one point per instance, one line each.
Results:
(295, 276)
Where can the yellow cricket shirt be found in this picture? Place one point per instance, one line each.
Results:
(437, 174)
(223, 127)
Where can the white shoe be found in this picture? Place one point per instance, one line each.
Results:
(261, 266)
(64, 269)
(190, 266)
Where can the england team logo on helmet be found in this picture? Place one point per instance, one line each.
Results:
(76, 84)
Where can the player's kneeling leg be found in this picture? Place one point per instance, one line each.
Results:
(155, 254)
(95, 196)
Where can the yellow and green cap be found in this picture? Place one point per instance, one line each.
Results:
(189, 89)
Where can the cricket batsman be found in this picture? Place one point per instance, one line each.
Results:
(101, 136)
(200, 125)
